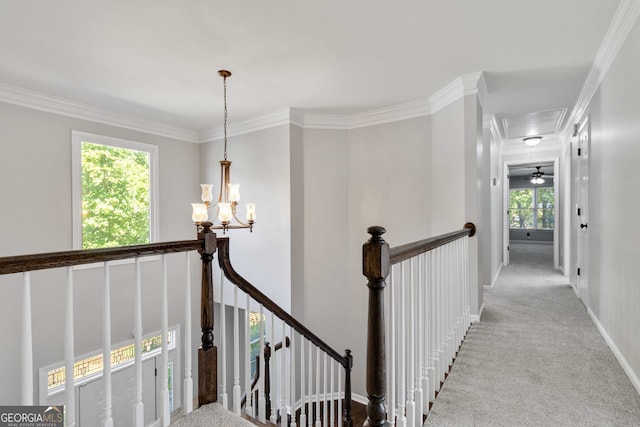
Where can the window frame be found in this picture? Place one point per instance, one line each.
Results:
(534, 208)
(77, 138)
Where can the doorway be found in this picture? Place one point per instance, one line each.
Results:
(531, 206)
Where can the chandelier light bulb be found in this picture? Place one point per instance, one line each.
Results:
(207, 192)
(251, 212)
(199, 213)
(234, 192)
(224, 214)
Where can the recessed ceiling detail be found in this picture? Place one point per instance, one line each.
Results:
(539, 123)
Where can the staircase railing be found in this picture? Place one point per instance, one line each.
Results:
(310, 381)
(305, 384)
(105, 258)
(426, 320)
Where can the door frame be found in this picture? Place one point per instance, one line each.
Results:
(556, 196)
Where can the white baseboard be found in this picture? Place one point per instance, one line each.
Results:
(495, 278)
(476, 317)
(359, 398)
(633, 377)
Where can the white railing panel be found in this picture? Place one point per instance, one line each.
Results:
(138, 405)
(69, 356)
(27, 342)
(187, 391)
(107, 416)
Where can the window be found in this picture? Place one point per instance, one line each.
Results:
(254, 338)
(114, 191)
(532, 208)
(90, 367)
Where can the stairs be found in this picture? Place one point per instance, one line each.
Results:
(212, 415)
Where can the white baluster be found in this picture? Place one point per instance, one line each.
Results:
(283, 382)
(224, 397)
(274, 398)
(107, 418)
(410, 315)
(439, 317)
(318, 421)
(402, 356)
(292, 387)
(331, 396)
(466, 281)
(418, 310)
(27, 342)
(69, 356)
(138, 405)
(310, 394)
(340, 415)
(303, 391)
(188, 380)
(262, 404)
(431, 319)
(164, 364)
(248, 407)
(391, 365)
(236, 356)
(324, 391)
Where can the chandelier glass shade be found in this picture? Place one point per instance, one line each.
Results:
(225, 215)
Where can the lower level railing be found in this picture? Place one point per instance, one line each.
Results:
(300, 382)
(412, 341)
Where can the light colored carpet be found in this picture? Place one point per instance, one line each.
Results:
(535, 359)
(212, 415)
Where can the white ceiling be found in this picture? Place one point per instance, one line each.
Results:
(159, 59)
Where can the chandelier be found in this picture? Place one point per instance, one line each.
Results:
(225, 216)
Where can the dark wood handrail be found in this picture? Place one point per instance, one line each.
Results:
(43, 261)
(405, 252)
(248, 288)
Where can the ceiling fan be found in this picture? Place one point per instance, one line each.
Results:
(537, 176)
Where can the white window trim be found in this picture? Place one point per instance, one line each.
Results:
(77, 138)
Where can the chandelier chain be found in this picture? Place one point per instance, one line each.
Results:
(225, 117)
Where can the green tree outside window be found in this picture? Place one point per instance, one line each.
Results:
(115, 196)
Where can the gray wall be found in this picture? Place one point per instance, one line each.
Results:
(613, 201)
(35, 183)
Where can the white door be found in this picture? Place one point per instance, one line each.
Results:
(582, 211)
(505, 212)
(91, 397)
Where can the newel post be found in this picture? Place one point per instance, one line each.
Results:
(208, 353)
(375, 267)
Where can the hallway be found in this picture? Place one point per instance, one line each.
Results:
(535, 359)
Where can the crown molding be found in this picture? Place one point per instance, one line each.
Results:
(482, 89)
(494, 128)
(460, 87)
(254, 124)
(621, 24)
(57, 105)
(465, 85)
(378, 116)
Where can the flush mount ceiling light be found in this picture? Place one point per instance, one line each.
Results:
(532, 141)
(229, 195)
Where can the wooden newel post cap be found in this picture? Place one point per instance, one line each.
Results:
(375, 255)
(209, 246)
